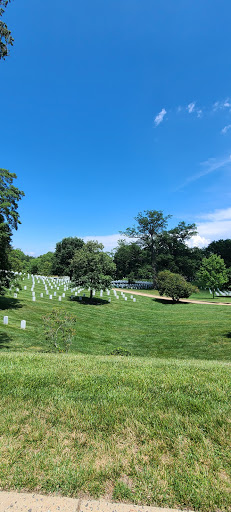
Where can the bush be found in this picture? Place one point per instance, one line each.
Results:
(174, 285)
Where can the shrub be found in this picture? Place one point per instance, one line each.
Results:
(174, 285)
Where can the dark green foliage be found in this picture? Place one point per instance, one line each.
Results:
(174, 285)
(120, 351)
(212, 273)
(9, 198)
(150, 224)
(43, 265)
(129, 259)
(6, 38)
(92, 268)
(220, 248)
(64, 253)
(9, 219)
(19, 262)
(163, 249)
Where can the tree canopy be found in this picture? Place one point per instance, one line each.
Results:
(151, 234)
(220, 248)
(6, 38)
(64, 252)
(9, 219)
(92, 268)
(212, 273)
(174, 285)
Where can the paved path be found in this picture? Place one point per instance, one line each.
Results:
(25, 502)
(190, 301)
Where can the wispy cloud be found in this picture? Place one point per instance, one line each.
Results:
(217, 215)
(225, 129)
(209, 166)
(221, 105)
(191, 107)
(160, 117)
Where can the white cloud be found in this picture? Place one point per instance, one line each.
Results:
(198, 241)
(225, 129)
(160, 117)
(221, 105)
(191, 107)
(216, 225)
(199, 112)
(218, 215)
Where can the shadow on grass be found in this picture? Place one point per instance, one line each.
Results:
(169, 302)
(9, 303)
(227, 335)
(4, 340)
(86, 301)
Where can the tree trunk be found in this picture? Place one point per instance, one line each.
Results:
(91, 295)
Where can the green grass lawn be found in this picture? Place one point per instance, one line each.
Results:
(153, 428)
(148, 327)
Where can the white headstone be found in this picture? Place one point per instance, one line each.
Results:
(63, 294)
(54, 294)
(25, 287)
(60, 298)
(5, 320)
(125, 298)
(109, 300)
(15, 295)
(33, 298)
(23, 324)
(41, 295)
(134, 300)
(50, 296)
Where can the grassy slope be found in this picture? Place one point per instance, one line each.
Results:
(146, 328)
(152, 429)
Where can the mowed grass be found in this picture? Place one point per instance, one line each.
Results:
(141, 430)
(153, 428)
(148, 327)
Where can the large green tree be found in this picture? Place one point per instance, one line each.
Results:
(92, 268)
(212, 273)
(149, 225)
(173, 253)
(9, 219)
(64, 252)
(6, 38)
(129, 259)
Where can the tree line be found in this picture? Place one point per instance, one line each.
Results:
(151, 250)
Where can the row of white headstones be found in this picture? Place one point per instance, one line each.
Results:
(51, 283)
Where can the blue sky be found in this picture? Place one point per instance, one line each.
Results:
(113, 107)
